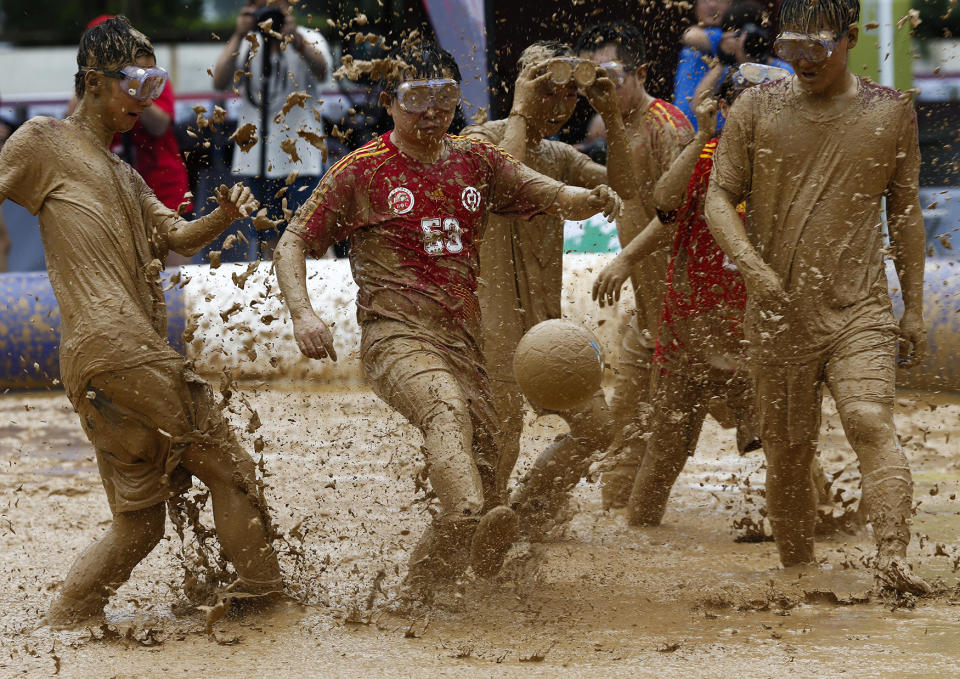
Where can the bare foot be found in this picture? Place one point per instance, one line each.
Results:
(615, 486)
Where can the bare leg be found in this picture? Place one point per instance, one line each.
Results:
(106, 564)
(677, 418)
(238, 513)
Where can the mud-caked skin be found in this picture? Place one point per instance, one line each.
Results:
(152, 421)
(413, 204)
(818, 311)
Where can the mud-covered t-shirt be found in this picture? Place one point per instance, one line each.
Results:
(701, 324)
(535, 246)
(813, 181)
(104, 236)
(654, 145)
(414, 229)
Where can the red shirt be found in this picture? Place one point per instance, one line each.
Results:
(702, 314)
(413, 229)
(158, 159)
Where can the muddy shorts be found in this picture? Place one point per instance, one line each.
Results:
(859, 367)
(140, 421)
(428, 384)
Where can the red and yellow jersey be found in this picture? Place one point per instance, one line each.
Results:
(414, 228)
(704, 301)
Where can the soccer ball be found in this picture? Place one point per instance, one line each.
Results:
(558, 364)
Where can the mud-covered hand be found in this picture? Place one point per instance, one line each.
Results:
(705, 107)
(314, 337)
(527, 88)
(236, 201)
(605, 200)
(602, 95)
(765, 287)
(607, 287)
(913, 339)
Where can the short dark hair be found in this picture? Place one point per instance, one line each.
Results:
(109, 46)
(424, 60)
(809, 15)
(631, 48)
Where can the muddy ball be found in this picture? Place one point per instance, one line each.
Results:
(558, 364)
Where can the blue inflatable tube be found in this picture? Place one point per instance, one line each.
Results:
(30, 329)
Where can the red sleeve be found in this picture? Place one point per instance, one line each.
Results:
(331, 213)
(518, 190)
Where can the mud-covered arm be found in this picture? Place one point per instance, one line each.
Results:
(730, 182)
(520, 120)
(671, 187)
(602, 95)
(908, 238)
(312, 335)
(188, 237)
(610, 281)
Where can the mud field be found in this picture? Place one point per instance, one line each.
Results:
(599, 600)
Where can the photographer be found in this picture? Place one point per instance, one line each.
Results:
(268, 58)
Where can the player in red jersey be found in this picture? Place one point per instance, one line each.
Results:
(413, 203)
(698, 358)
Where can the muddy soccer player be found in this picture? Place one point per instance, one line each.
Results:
(521, 262)
(698, 361)
(656, 133)
(815, 155)
(413, 203)
(151, 420)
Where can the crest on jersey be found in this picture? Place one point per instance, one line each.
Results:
(470, 199)
(401, 200)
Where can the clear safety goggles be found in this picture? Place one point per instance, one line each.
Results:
(141, 83)
(755, 74)
(416, 96)
(815, 48)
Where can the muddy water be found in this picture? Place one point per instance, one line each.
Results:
(599, 600)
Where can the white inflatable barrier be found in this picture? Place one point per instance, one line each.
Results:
(248, 330)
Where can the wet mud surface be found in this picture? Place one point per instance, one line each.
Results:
(599, 600)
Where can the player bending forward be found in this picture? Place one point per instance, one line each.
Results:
(413, 203)
(814, 155)
(152, 421)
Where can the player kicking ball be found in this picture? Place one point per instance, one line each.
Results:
(413, 204)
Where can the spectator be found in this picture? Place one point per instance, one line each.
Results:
(700, 42)
(267, 59)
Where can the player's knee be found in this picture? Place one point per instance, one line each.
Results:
(868, 424)
(140, 531)
(449, 415)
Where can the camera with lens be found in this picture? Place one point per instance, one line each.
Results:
(264, 14)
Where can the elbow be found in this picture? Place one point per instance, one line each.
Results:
(666, 200)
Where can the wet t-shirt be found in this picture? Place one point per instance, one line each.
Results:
(533, 250)
(414, 230)
(654, 144)
(813, 181)
(104, 236)
(701, 324)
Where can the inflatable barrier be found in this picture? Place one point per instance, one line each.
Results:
(232, 319)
